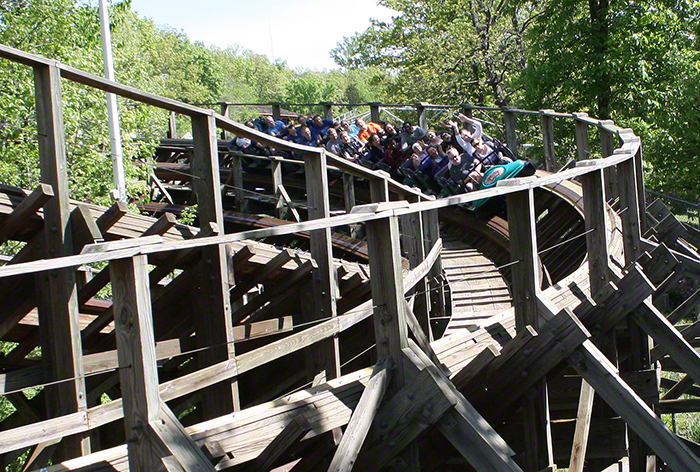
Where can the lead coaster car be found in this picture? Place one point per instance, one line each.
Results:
(485, 208)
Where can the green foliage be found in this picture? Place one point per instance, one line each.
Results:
(446, 51)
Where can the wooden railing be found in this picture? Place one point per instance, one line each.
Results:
(142, 406)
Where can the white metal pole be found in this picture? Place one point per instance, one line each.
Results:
(119, 192)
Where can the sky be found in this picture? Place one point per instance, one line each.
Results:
(302, 32)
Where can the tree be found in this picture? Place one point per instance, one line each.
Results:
(446, 51)
(634, 62)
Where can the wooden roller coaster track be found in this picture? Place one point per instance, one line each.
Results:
(260, 343)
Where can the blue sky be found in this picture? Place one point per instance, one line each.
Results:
(302, 32)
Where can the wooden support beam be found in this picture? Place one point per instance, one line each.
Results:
(84, 228)
(603, 377)
(183, 258)
(607, 146)
(629, 210)
(463, 426)
(287, 438)
(679, 389)
(261, 275)
(583, 425)
(137, 358)
(326, 356)
(212, 292)
(389, 304)
(658, 327)
(25, 210)
(168, 430)
(58, 301)
(414, 247)
(525, 285)
(362, 417)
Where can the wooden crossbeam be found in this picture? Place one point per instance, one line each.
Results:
(287, 438)
(603, 377)
(168, 430)
(362, 418)
(84, 228)
(260, 276)
(463, 425)
(25, 210)
(280, 287)
(184, 258)
(655, 324)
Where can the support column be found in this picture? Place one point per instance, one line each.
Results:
(214, 327)
(326, 357)
(630, 213)
(224, 112)
(390, 323)
(526, 284)
(276, 111)
(136, 351)
(61, 349)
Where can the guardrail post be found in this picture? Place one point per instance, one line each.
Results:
(582, 150)
(215, 329)
(510, 129)
(225, 113)
(422, 118)
(327, 110)
(374, 111)
(525, 273)
(276, 111)
(607, 146)
(172, 126)
(237, 179)
(550, 161)
(61, 350)
(326, 353)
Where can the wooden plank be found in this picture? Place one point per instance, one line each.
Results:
(390, 325)
(58, 302)
(45, 431)
(348, 191)
(629, 210)
(603, 377)
(414, 246)
(685, 308)
(679, 389)
(596, 227)
(25, 210)
(84, 228)
(509, 123)
(137, 358)
(362, 417)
